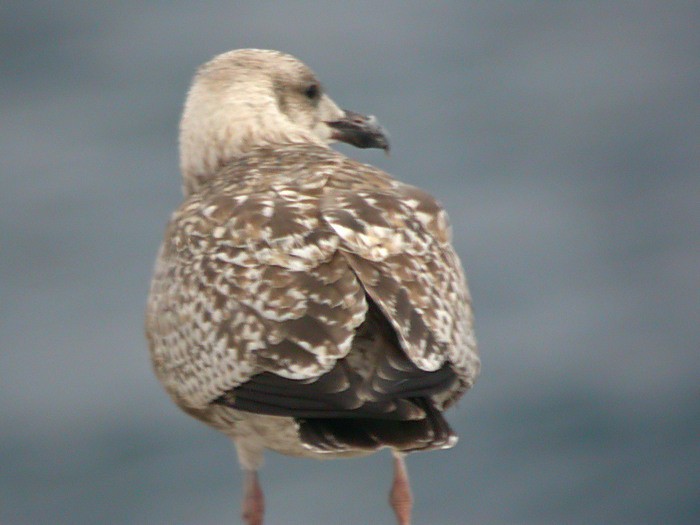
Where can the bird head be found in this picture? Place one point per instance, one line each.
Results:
(252, 98)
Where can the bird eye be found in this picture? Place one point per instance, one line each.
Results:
(312, 92)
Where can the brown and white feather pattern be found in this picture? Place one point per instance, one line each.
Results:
(266, 271)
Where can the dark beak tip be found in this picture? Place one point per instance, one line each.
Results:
(360, 131)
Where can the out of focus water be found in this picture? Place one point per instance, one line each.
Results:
(563, 137)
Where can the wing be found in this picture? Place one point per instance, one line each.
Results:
(247, 284)
(398, 242)
(253, 282)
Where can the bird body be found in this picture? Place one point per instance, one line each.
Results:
(304, 302)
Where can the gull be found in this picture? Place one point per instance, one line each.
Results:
(304, 302)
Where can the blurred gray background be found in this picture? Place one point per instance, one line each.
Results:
(563, 138)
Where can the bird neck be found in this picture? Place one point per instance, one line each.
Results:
(225, 134)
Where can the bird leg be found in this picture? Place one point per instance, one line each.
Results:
(253, 499)
(400, 496)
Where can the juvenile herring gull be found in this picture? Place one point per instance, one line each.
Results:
(302, 301)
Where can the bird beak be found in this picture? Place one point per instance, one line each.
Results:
(359, 131)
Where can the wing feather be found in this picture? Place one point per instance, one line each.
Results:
(249, 283)
(398, 242)
(253, 285)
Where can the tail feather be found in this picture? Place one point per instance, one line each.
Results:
(332, 434)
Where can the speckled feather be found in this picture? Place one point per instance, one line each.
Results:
(266, 269)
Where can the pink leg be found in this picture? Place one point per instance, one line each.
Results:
(400, 496)
(253, 500)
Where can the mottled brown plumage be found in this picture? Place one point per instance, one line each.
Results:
(302, 301)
